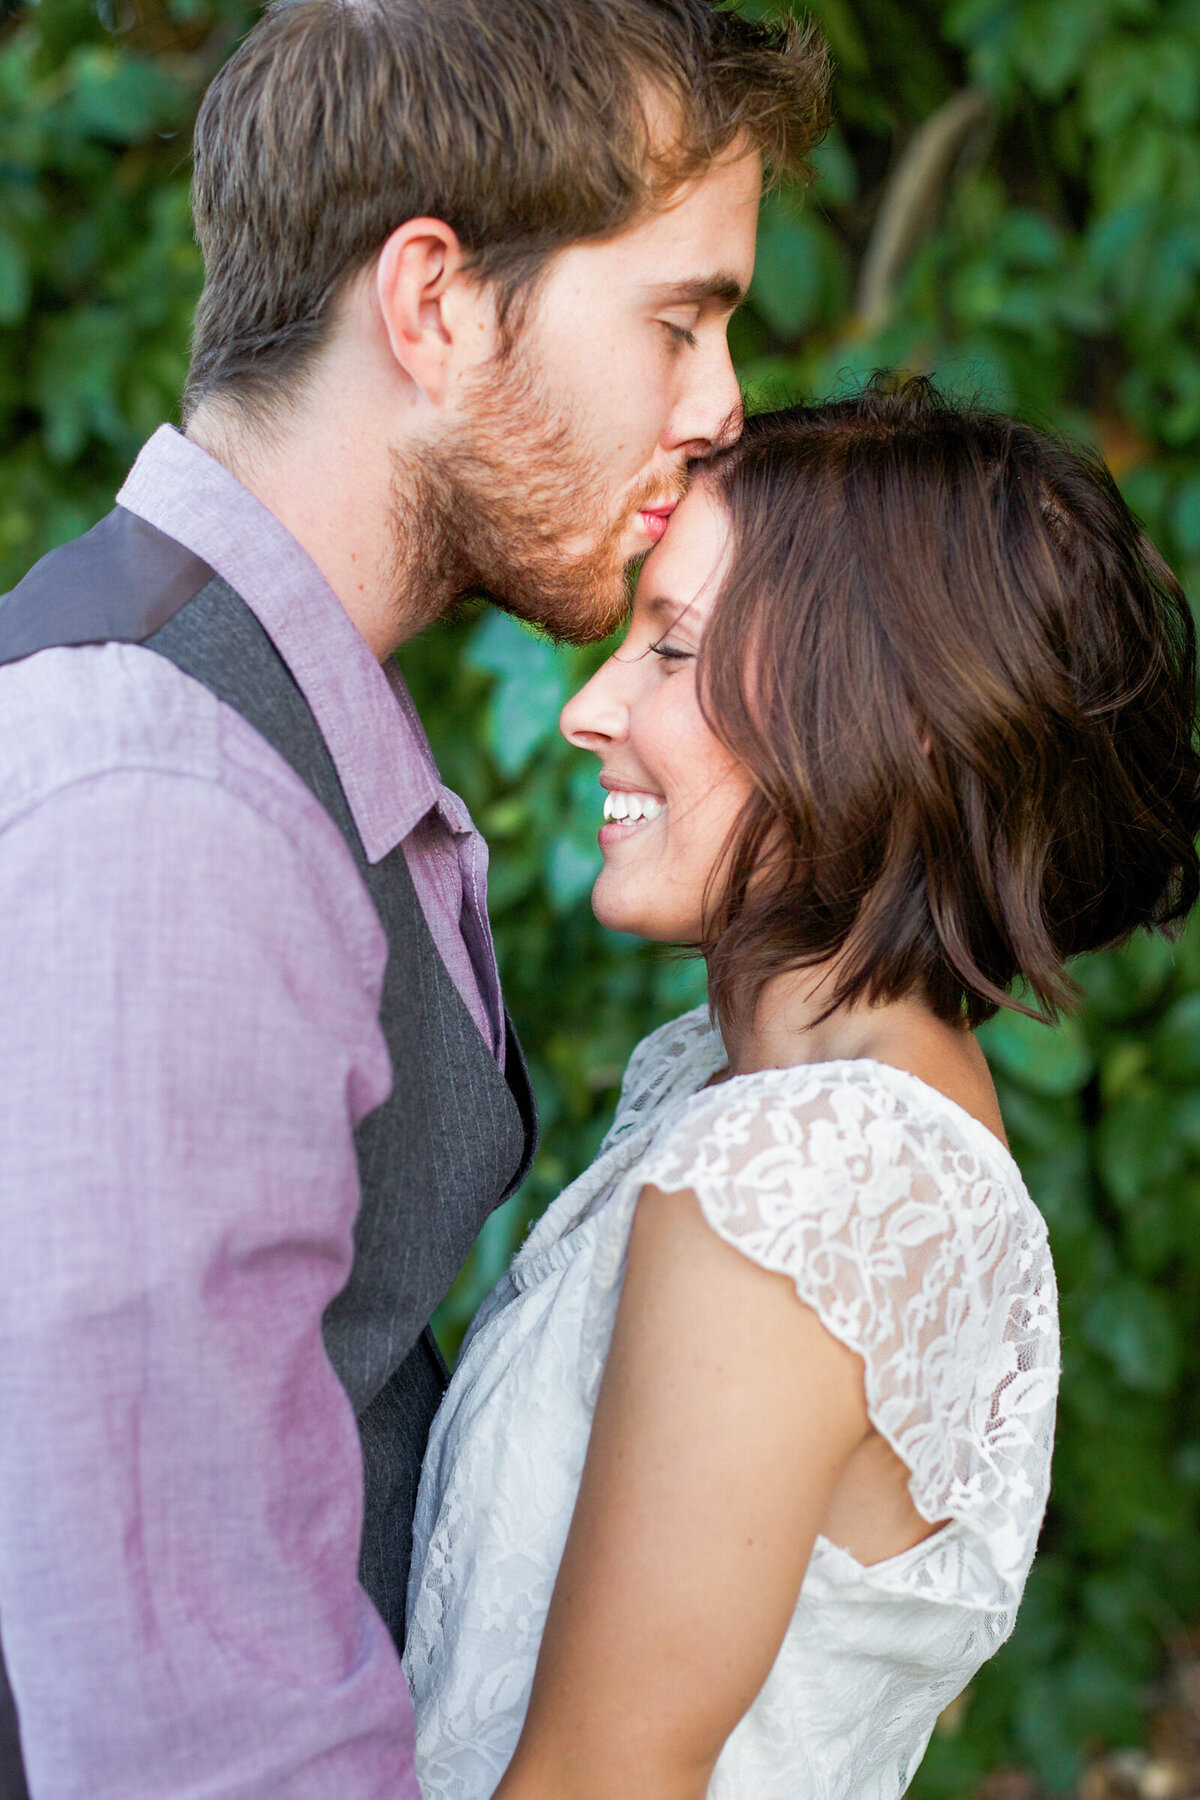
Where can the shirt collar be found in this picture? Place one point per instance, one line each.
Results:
(364, 710)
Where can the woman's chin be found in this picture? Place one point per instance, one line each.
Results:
(612, 914)
(617, 908)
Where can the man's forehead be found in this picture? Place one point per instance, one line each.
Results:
(704, 237)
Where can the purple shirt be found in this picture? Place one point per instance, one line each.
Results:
(365, 712)
(188, 1038)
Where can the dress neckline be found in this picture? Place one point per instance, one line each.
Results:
(940, 1102)
(548, 1237)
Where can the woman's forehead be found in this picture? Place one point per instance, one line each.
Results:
(686, 567)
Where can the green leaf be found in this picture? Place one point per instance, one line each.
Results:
(1185, 516)
(1175, 1042)
(1044, 1622)
(1044, 1734)
(1185, 1117)
(575, 859)
(570, 872)
(1028, 240)
(119, 96)
(14, 280)
(1121, 983)
(1123, 1067)
(1132, 1326)
(836, 175)
(75, 379)
(1046, 1126)
(837, 21)
(1150, 1234)
(1102, 1694)
(1061, 1187)
(1137, 164)
(682, 983)
(1049, 1059)
(1051, 43)
(789, 273)
(1137, 1145)
(530, 690)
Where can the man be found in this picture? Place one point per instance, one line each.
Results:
(468, 272)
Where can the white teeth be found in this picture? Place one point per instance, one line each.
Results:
(619, 804)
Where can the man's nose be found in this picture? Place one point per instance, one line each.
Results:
(709, 414)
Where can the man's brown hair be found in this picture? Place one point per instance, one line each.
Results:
(964, 682)
(526, 125)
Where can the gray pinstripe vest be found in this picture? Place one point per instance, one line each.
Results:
(454, 1138)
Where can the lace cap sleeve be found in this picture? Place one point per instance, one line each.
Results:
(910, 1234)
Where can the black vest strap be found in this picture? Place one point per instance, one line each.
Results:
(119, 583)
(13, 1785)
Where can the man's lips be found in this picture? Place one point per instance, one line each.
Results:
(654, 518)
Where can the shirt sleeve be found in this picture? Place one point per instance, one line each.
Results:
(188, 1035)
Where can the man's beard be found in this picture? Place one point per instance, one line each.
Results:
(488, 512)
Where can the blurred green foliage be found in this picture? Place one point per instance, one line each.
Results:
(1010, 199)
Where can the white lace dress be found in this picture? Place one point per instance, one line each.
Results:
(905, 1225)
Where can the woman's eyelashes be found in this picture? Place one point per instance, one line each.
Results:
(671, 653)
(683, 334)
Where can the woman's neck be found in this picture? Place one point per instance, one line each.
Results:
(787, 1030)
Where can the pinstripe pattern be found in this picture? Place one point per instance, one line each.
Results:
(454, 1138)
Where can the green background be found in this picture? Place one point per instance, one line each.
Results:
(1011, 199)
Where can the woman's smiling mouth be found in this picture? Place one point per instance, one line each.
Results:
(627, 810)
(623, 804)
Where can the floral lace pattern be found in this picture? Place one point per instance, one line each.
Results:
(905, 1225)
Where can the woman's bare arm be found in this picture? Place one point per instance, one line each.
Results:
(726, 1415)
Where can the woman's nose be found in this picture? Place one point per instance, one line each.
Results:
(597, 716)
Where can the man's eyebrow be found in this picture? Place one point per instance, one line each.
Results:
(725, 290)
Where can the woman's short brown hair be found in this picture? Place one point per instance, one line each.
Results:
(964, 682)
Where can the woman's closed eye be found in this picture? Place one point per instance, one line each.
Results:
(671, 653)
(682, 334)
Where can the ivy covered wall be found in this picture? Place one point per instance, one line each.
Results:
(1011, 200)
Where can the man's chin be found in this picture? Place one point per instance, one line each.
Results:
(573, 627)
(583, 611)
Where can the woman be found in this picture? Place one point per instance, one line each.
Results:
(741, 1474)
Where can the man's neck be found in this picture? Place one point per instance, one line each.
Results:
(332, 484)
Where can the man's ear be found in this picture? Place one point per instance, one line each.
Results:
(420, 288)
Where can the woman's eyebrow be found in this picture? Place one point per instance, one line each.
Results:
(663, 607)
